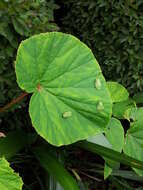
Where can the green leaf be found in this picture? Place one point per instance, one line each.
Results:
(121, 109)
(117, 91)
(8, 179)
(68, 102)
(111, 154)
(20, 27)
(6, 32)
(134, 137)
(115, 136)
(55, 168)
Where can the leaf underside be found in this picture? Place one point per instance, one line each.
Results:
(70, 100)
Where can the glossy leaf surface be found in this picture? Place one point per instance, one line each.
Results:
(70, 100)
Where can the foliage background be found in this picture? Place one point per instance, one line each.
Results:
(20, 19)
(114, 31)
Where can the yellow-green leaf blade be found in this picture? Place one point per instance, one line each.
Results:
(69, 91)
(8, 179)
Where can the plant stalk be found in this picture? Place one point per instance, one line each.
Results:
(14, 101)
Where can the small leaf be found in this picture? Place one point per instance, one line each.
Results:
(8, 179)
(117, 91)
(20, 27)
(115, 136)
(121, 109)
(134, 137)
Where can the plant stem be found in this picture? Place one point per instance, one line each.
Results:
(14, 101)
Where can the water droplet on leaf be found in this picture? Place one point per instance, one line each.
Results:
(100, 106)
(67, 114)
(97, 84)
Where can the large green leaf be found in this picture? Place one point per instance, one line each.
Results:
(117, 91)
(70, 99)
(8, 179)
(115, 136)
(55, 168)
(134, 137)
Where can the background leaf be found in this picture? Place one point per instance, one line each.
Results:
(120, 109)
(134, 137)
(117, 91)
(115, 136)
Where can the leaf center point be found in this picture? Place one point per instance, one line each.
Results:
(39, 87)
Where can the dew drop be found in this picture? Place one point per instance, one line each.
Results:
(97, 84)
(100, 106)
(67, 114)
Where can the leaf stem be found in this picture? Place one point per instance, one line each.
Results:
(14, 101)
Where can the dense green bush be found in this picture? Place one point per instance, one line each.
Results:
(18, 20)
(114, 31)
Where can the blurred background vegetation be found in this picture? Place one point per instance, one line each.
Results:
(112, 29)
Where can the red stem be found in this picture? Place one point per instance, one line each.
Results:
(14, 101)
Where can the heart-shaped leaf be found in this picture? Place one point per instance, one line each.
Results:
(8, 179)
(70, 100)
(134, 137)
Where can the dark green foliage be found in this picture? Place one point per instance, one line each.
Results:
(18, 20)
(114, 31)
